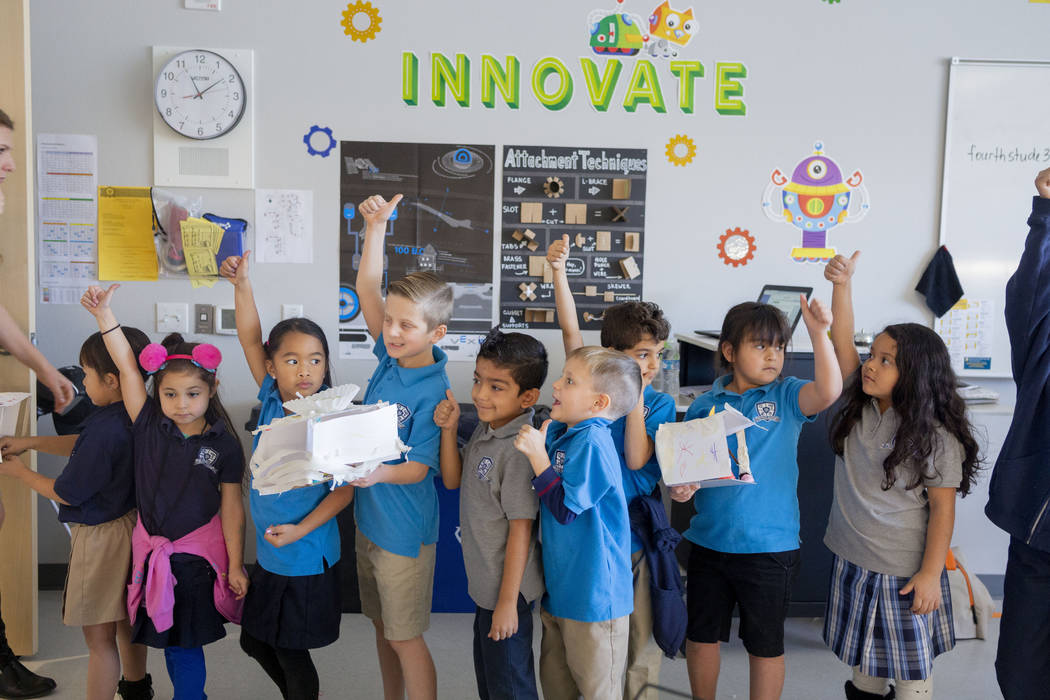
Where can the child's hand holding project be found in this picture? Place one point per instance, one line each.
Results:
(683, 492)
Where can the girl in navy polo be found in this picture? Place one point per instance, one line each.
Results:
(95, 494)
(188, 575)
(293, 603)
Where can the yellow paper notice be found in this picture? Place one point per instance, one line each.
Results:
(125, 234)
(200, 243)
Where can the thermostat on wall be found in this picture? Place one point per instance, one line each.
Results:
(225, 320)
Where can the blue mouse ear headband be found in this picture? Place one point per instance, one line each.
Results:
(154, 357)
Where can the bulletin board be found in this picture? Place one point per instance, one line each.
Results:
(596, 196)
(996, 141)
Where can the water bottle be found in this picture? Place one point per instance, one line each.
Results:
(670, 370)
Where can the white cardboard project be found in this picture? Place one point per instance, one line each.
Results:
(10, 402)
(327, 439)
(696, 451)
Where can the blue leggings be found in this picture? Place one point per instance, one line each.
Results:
(187, 672)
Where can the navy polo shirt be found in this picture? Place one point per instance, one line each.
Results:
(98, 482)
(401, 517)
(176, 477)
(762, 517)
(309, 554)
(658, 408)
(587, 562)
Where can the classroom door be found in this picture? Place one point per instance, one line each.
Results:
(18, 575)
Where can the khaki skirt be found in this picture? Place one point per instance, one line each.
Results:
(97, 579)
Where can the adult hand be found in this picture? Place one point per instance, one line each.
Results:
(1042, 184)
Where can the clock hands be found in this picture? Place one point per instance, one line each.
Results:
(194, 85)
(201, 93)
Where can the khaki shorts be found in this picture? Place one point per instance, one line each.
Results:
(582, 658)
(97, 579)
(395, 590)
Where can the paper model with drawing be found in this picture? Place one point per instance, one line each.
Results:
(325, 439)
(697, 451)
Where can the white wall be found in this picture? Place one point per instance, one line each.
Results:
(869, 79)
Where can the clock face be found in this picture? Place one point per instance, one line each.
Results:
(200, 94)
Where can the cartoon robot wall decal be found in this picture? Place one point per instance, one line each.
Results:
(618, 32)
(815, 200)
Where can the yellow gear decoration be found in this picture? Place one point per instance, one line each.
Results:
(374, 20)
(672, 150)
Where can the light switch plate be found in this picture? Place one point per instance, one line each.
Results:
(173, 317)
(291, 311)
(203, 318)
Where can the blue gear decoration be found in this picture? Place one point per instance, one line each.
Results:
(323, 152)
(349, 304)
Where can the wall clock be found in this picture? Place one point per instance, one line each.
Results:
(203, 123)
(200, 94)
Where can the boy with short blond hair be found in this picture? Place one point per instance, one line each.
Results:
(396, 506)
(584, 525)
(639, 329)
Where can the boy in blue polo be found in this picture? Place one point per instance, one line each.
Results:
(584, 526)
(745, 538)
(639, 329)
(396, 506)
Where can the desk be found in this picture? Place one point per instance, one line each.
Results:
(816, 464)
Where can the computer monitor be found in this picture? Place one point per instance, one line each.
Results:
(786, 299)
(783, 297)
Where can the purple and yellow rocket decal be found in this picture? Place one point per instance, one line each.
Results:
(815, 200)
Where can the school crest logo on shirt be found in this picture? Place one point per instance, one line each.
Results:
(645, 411)
(207, 457)
(766, 411)
(403, 414)
(559, 461)
(483, 468)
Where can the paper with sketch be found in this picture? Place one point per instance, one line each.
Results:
(697, 450)
(284, 226)
(327, 439)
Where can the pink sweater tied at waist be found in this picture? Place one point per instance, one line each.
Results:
(157, 584)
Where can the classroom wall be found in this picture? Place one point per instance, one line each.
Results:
(868, 79)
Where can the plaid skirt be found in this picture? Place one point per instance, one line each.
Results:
(868, 623)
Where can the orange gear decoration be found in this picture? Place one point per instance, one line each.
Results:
(672, 150)
(362, 7)
(736, 246)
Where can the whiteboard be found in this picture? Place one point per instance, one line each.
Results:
(996, 141)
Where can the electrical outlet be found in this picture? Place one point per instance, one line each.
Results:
(203, 318)
(173, 318)
(291, 311)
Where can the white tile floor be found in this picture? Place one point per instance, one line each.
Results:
(349, 668)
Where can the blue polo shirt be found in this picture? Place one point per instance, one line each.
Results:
(306, 556)
(762, 517)
(98, 482)
(587, 562)
(177, 477)
(658, 408)
(401, 517)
